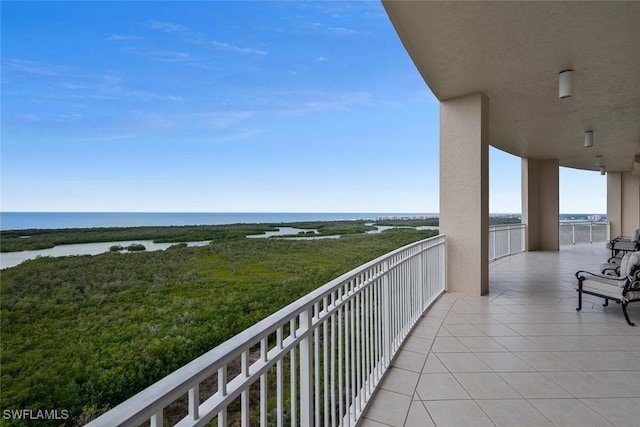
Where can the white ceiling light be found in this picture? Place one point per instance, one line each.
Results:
(565, 84)
(588, 139)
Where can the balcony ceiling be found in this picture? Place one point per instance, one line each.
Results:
(513, 52)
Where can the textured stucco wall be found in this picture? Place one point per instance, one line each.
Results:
(623, 203)
(464, 192)
(541, 204)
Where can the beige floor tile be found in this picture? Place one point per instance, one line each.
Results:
(486, 386)
(400, 381)
(454, 319)
(569, 413)
(456, 413)
(463, 330)
(619, 358)
(620, 412)
(510, 413)
(443, 332)
(625, 382)
(433, 365)
(430, 322)
(365, 422)
(545, 361)
(409, 360)
(440, 387)
(479, 318)
(462, 362)
(533, 385)
(504, 362)
(582, 384)
(554, 343)
(586, 361)
(481, 344)
(517, 344)
(448, 344)
(427, 332)
(437, 313)
(417, 344)
(418, 416)
(497, 330)
(388, 408)
(507, 318)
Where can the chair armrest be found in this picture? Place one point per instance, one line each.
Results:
(608, 280)
(611, 271)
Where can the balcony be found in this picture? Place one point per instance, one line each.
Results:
(520, 355)
(383, 345)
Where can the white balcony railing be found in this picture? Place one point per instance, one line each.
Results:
(505, 240)
(315, 362)
(572, 232)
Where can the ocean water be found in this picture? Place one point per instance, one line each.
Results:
(28, 220)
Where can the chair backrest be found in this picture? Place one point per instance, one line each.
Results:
(636, 236)
(630, 262)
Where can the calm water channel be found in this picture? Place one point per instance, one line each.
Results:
(11, 259)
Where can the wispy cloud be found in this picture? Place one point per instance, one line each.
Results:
(118, 37)
(336, 31)
(308, 102)
(32, 67)
(341, 31)
(100, 138)
(167, 27)
(232, 48)
(194, 38)
(164, 55)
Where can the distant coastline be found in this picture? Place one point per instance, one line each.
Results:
(49, 220)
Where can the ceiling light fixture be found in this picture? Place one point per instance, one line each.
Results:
(588, 139)
(566, 84)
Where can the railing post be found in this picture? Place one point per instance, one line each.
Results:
(157, 419)
(386, 314)
(194, 403)
(591, 232)
(306, 369)
(573, 233)
(508, 240)
(493, 238)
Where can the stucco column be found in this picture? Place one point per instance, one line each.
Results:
(541, 204)
(464, 192)
(623, 203)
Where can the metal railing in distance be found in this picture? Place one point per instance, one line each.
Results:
(572, 232)
(505, 240)
(315, 362)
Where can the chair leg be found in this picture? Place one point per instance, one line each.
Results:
(626, 315)
(579, 297)
(606, 302)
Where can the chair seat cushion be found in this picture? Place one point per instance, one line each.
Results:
(609, 287)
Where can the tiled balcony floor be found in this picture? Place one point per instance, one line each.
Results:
(520, 356)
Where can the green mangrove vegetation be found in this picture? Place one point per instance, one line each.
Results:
(83, 333)
(32, 239)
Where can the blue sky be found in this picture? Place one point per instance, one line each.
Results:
(214, 106)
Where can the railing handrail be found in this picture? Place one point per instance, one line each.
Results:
(142, 406)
